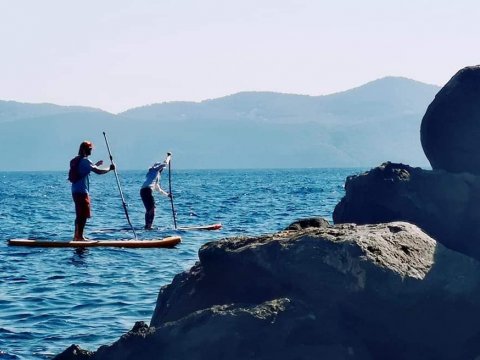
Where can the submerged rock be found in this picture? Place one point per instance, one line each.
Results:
(450, 129)
(334, 292)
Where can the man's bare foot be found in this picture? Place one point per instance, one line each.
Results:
(83, 238)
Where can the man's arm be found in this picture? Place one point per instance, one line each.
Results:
(100, 171)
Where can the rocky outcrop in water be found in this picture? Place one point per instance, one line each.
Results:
(443, 204)
(450, 130)
(332, 292)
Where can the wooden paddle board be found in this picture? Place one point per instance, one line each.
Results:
(203, 227)
(168, 242)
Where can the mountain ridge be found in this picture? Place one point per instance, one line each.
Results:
(360, 127)
(402, 84)
(52, 109)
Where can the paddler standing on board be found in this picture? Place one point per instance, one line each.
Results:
(80, 168)
(152, 183)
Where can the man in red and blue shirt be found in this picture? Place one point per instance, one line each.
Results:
(81, 187)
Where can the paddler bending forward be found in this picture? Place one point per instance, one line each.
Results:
(152, 183)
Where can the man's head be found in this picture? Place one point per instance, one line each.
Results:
(85, 148)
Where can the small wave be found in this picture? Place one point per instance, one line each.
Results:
(6, 356)
(56, 277)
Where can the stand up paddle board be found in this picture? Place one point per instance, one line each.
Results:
(168, 242)
(203, 227)
(112, 230)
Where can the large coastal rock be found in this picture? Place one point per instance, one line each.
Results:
(445, 205)
(450, 130)
(385, 291)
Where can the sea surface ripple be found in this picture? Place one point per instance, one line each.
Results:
(51, 298)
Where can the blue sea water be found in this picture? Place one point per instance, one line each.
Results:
(51, 298)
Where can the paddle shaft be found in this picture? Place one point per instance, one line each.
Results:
(171, 196)
(119, 187)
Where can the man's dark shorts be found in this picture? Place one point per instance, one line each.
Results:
(147, 197)
(82, 205)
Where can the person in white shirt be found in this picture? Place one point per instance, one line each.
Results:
(152, 183)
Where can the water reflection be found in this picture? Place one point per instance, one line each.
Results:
(79, 257)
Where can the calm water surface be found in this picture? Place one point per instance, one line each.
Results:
(52, 298)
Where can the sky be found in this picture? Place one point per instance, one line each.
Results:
(119, 54)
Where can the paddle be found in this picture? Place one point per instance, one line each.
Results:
(119, 188)
(204, 227)
(170, 191)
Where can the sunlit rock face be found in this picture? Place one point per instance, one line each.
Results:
(363, 292)
(445, 205)
(450, 130)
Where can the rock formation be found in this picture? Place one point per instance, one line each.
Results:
(445, 205)
(444, 202)
(333, 292)
(450, 130)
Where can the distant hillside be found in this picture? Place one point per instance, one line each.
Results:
(361, 127)
(390, 94)
(12, 110)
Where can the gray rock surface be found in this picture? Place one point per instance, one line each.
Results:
(335, 292)
(450, 130)
(306, 223)
(445, 205)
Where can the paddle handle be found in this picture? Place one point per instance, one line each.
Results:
(170, 190)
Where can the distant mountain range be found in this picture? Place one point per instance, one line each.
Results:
(361, 127)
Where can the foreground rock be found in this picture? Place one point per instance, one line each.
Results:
(333, 292)
(445, 205)
(450, 130)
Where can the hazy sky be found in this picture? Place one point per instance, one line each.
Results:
(118, 54)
